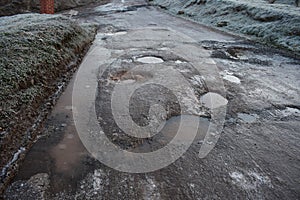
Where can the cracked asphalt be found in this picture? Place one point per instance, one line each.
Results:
(255, 155)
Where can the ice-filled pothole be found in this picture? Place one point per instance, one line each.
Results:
(248, 118)
(213, 100)
(116, 33)
(150, 59)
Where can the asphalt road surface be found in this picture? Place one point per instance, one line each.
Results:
(234, 103)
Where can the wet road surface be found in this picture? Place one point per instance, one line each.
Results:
(256, 156)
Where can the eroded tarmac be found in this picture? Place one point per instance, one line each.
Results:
(256, 156)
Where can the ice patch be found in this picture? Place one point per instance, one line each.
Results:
(116, 33)
(232, 79)
(179, 62)
(150, 59)
(228, 76)
(213, 100)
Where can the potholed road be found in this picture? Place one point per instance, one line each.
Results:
(233, 104)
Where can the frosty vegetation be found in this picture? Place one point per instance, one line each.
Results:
(277, 24)
(12, 7)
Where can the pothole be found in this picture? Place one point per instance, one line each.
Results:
(150, 59)
(213, 100)
(248, 118)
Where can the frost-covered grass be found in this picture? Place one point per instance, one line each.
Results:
(35, 52)
(277, 24)
(34, 49)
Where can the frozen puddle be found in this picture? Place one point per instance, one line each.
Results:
(150, 59)
(248, 118)
(213, 100)
(116, 33)
(232, 79)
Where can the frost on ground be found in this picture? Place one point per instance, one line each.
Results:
(277, 24)
(37, 55)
